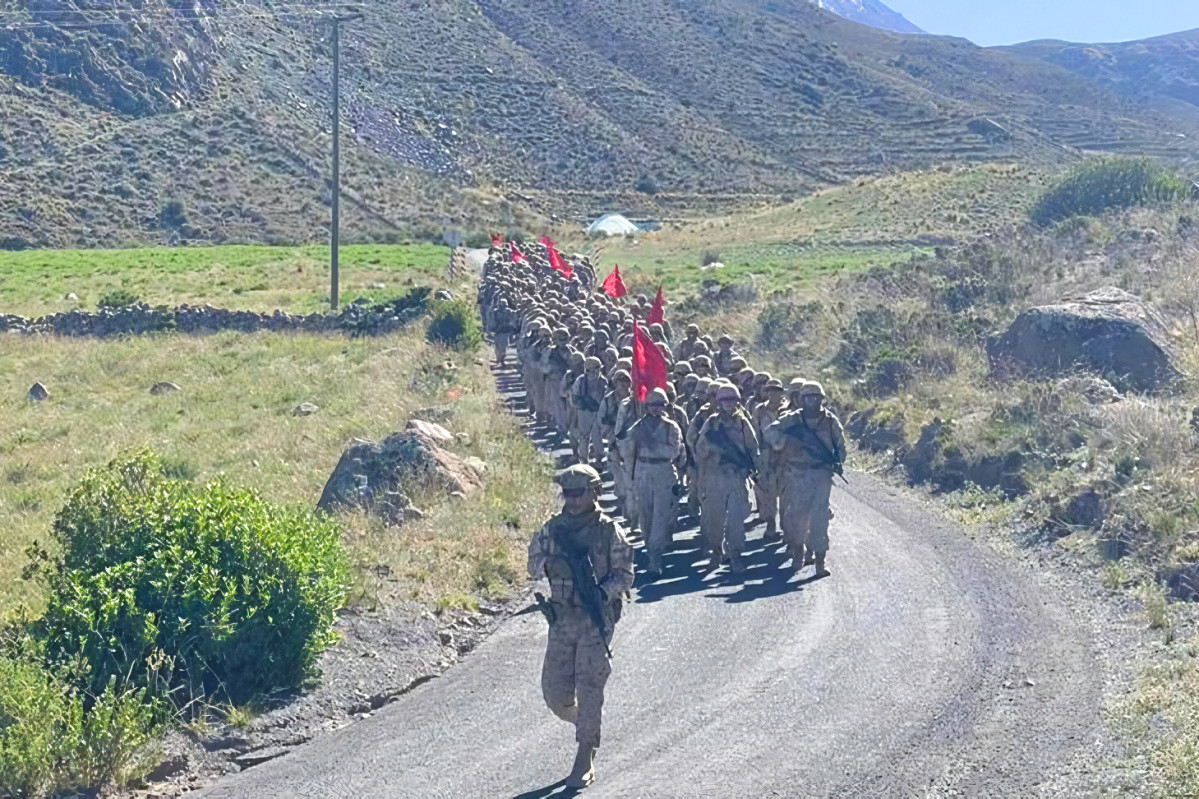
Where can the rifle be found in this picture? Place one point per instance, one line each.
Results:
(582, 574)
(546, 607)
(730, 453)
(820, 452)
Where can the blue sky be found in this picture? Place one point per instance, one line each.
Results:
(989, 22)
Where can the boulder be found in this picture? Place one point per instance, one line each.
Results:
(1110, 332)
(37, 392)
(373, 475)
(304, 409)
(163, 387)
(433, 431)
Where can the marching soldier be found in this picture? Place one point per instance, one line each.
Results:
(763, 415)
(589, 564)
(503, 326)
(726, 448)
(809, 448)
(587, 394)
(651, 449)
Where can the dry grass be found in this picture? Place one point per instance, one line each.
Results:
(233, 414)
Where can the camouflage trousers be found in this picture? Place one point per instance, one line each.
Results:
(724, 506)
(652, 484)
(805, 505)
(501, 346)
(766, 494)
(589, 438)
(575, 671)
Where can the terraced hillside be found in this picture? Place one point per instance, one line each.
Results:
(210, 122)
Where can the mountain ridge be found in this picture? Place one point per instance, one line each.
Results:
(510, 113)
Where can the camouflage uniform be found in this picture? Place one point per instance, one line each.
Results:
(766, 488)
(586, 395)
(576, 665)
(725, 500)
(651, 449)
(805, 482)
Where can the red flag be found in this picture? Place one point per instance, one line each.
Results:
(613, 285)
(657, 312)
(517, 256)
(557, 262)
(649, 365)
(497, 240)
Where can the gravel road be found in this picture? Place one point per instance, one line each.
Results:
(925, 664)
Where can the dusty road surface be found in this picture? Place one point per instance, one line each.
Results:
(924, 664)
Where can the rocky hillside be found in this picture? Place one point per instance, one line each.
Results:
(211, 122)
(1163, 70)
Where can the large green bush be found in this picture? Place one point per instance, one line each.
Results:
(1096, 185)
(454, 325)
(189, 591)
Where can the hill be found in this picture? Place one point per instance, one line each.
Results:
(212, 124)
(1163, 70)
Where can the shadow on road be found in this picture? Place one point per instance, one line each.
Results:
(557, 789)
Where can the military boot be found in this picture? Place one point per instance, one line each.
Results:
(797, 557)
(714, 556)
(583, 772)
(820, 570)
(655, 564)
(736, 565)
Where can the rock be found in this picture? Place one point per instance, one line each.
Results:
(377, 286)
(168, 768)
(1094, 390)
(163, 387)
(443, 294)
(37, 392)
(71, 298)
(1085, 509)
(1109, 331)
(370, 474)
(873, 435)
(304, 409)
(433, 431)
(1182, 582)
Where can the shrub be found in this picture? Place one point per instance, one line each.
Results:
(454, 325)
(117, 298)
(189, 591)
(1102, 183)
(781, 323)
(646, 185)
(49, 743)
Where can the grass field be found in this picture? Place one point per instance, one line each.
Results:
(36, 282)
(233, 415)
(870, 222)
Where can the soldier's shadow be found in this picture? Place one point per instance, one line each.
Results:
(557, 789)
(684, 572)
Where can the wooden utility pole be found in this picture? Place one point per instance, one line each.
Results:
(335, 223)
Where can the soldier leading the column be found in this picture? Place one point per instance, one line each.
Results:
(589, 563)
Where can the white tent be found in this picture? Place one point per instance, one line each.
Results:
(613, 225)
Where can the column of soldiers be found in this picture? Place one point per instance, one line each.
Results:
(715, 434)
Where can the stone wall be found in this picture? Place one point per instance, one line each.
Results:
(358, 318)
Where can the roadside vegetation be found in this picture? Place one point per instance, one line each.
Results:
(143, 588)
(1059, 463)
